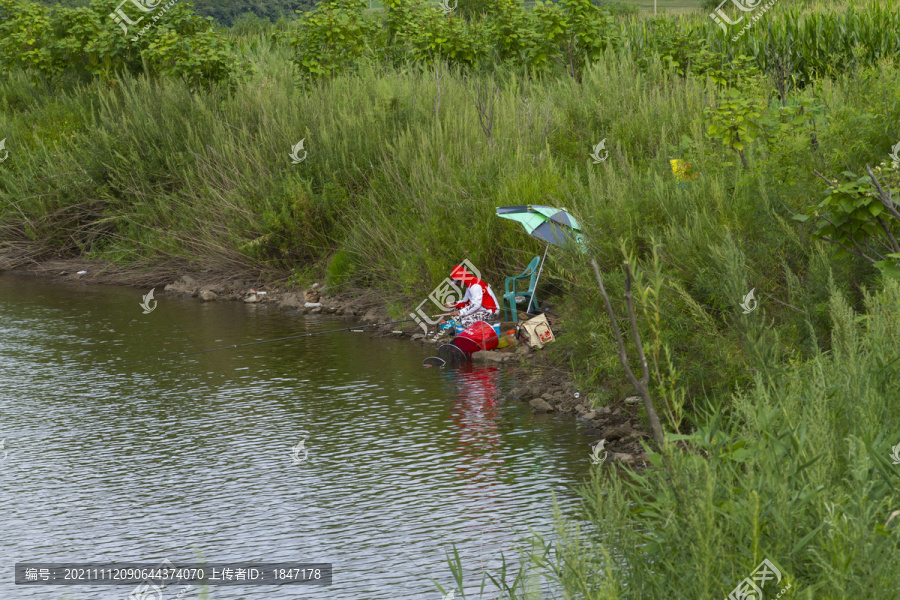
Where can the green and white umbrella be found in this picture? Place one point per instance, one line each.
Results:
(553, 225)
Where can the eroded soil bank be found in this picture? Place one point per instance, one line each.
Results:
(546, 387)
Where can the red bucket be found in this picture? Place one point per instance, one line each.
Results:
(478, 336)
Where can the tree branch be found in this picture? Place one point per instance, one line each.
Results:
(883, 196)
(641, 386)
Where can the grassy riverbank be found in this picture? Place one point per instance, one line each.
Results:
(404, 165)
(401, 180)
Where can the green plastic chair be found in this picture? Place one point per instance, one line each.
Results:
(509, 298)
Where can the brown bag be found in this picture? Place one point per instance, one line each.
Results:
(536, 332)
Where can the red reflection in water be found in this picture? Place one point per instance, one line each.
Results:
(475, 411)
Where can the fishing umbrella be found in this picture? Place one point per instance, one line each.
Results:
(552, 225)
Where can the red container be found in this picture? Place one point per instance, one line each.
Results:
(478, 336)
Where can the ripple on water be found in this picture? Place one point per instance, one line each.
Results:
(111, 460)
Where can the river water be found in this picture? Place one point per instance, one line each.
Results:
(191, 459)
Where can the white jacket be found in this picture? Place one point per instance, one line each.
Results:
(474, 296)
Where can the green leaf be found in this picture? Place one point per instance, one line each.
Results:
(888, 268)
(806, 538)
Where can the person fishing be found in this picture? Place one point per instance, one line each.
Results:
(479, 303)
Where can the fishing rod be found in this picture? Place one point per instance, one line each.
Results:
(290, 337)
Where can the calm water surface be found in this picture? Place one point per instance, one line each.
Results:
(191, 459)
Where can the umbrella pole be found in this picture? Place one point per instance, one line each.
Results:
(537, 280)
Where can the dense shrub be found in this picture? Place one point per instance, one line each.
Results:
(86, 42)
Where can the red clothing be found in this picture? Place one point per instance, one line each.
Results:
(479, 294)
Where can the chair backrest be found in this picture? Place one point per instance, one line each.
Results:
(532, 268)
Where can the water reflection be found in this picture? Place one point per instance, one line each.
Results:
(476, 392)
(110, 460)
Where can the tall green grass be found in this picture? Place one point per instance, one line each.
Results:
(819, 39)
(800, 475)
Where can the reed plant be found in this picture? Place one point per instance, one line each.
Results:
(800, 474)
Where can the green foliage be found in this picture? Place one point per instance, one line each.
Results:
(331, 38)
(824, 43)
(588, 33)
(799, 473)
(681, 49)
(737, 121)
(570, 35)
(400, 176)
(339, 270)
(618, 9)
(86, 42)
(227, 12)
(474, 9)
(854, 216)
(400, 184)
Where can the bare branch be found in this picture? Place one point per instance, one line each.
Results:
(629, 299)
(641, 386)
(825, 179)
(615, 325)
(484, 104)
(893, 247)
(883, 196)
(858, 252)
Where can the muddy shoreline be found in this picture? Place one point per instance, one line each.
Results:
(545, 387)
